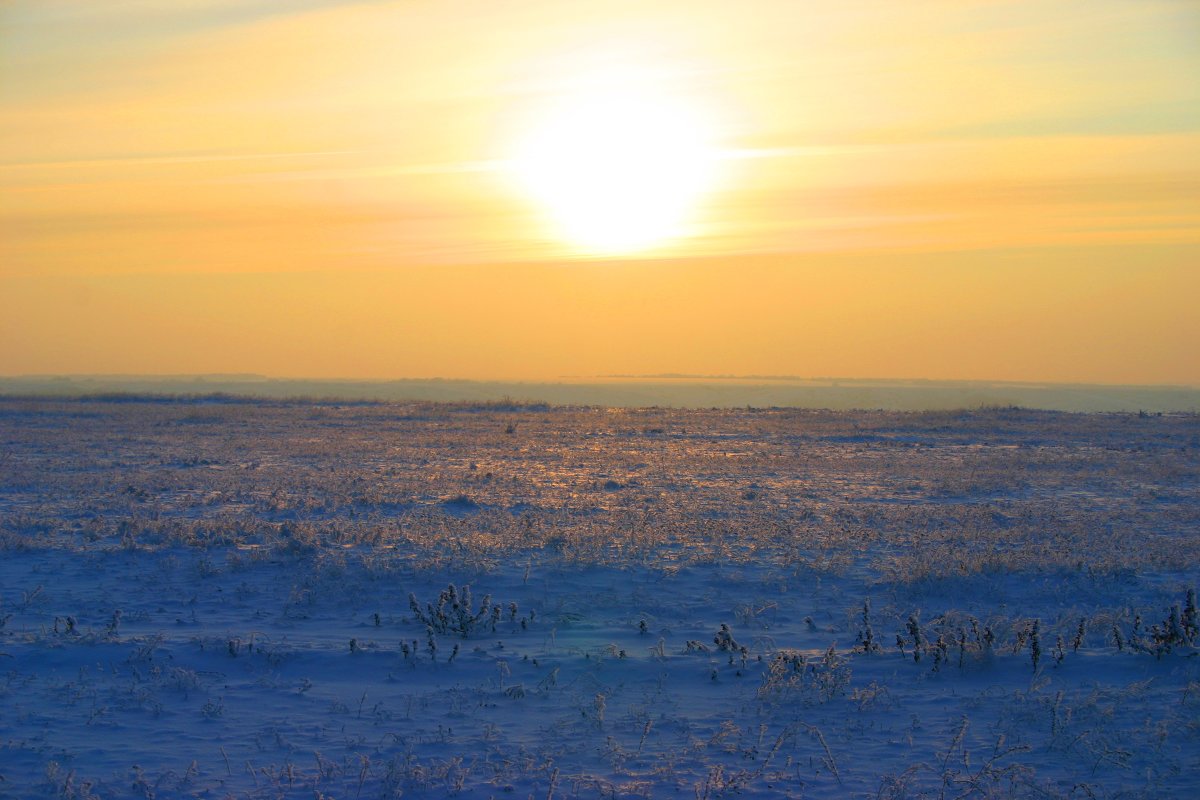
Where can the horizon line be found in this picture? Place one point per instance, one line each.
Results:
(577, 379)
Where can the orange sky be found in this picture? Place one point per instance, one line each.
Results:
(992, 190)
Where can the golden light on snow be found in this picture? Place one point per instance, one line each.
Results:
(617, 170)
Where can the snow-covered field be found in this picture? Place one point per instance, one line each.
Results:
(224, 599)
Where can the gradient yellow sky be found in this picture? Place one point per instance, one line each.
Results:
(969, 189)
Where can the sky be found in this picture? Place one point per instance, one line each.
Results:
(976, 189)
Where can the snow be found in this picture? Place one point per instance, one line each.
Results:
(212, 599)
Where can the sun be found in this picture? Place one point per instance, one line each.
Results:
(617, 170)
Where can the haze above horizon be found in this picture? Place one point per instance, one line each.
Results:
(842, 394)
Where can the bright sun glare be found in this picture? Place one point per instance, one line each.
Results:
(617, 171)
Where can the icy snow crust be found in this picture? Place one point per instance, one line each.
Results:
(215, 599)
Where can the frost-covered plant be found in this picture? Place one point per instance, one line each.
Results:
(659, 651)
(147, 646)
(452, 614)
(941, 652)
(1118, 637)
(1168, 634)
(866, 636)
(831, 675)
(66, 786)
(789, 676)
(1177, 630)
(1175, 627)
(724, 640)
(1191, 617)
(913, 626)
